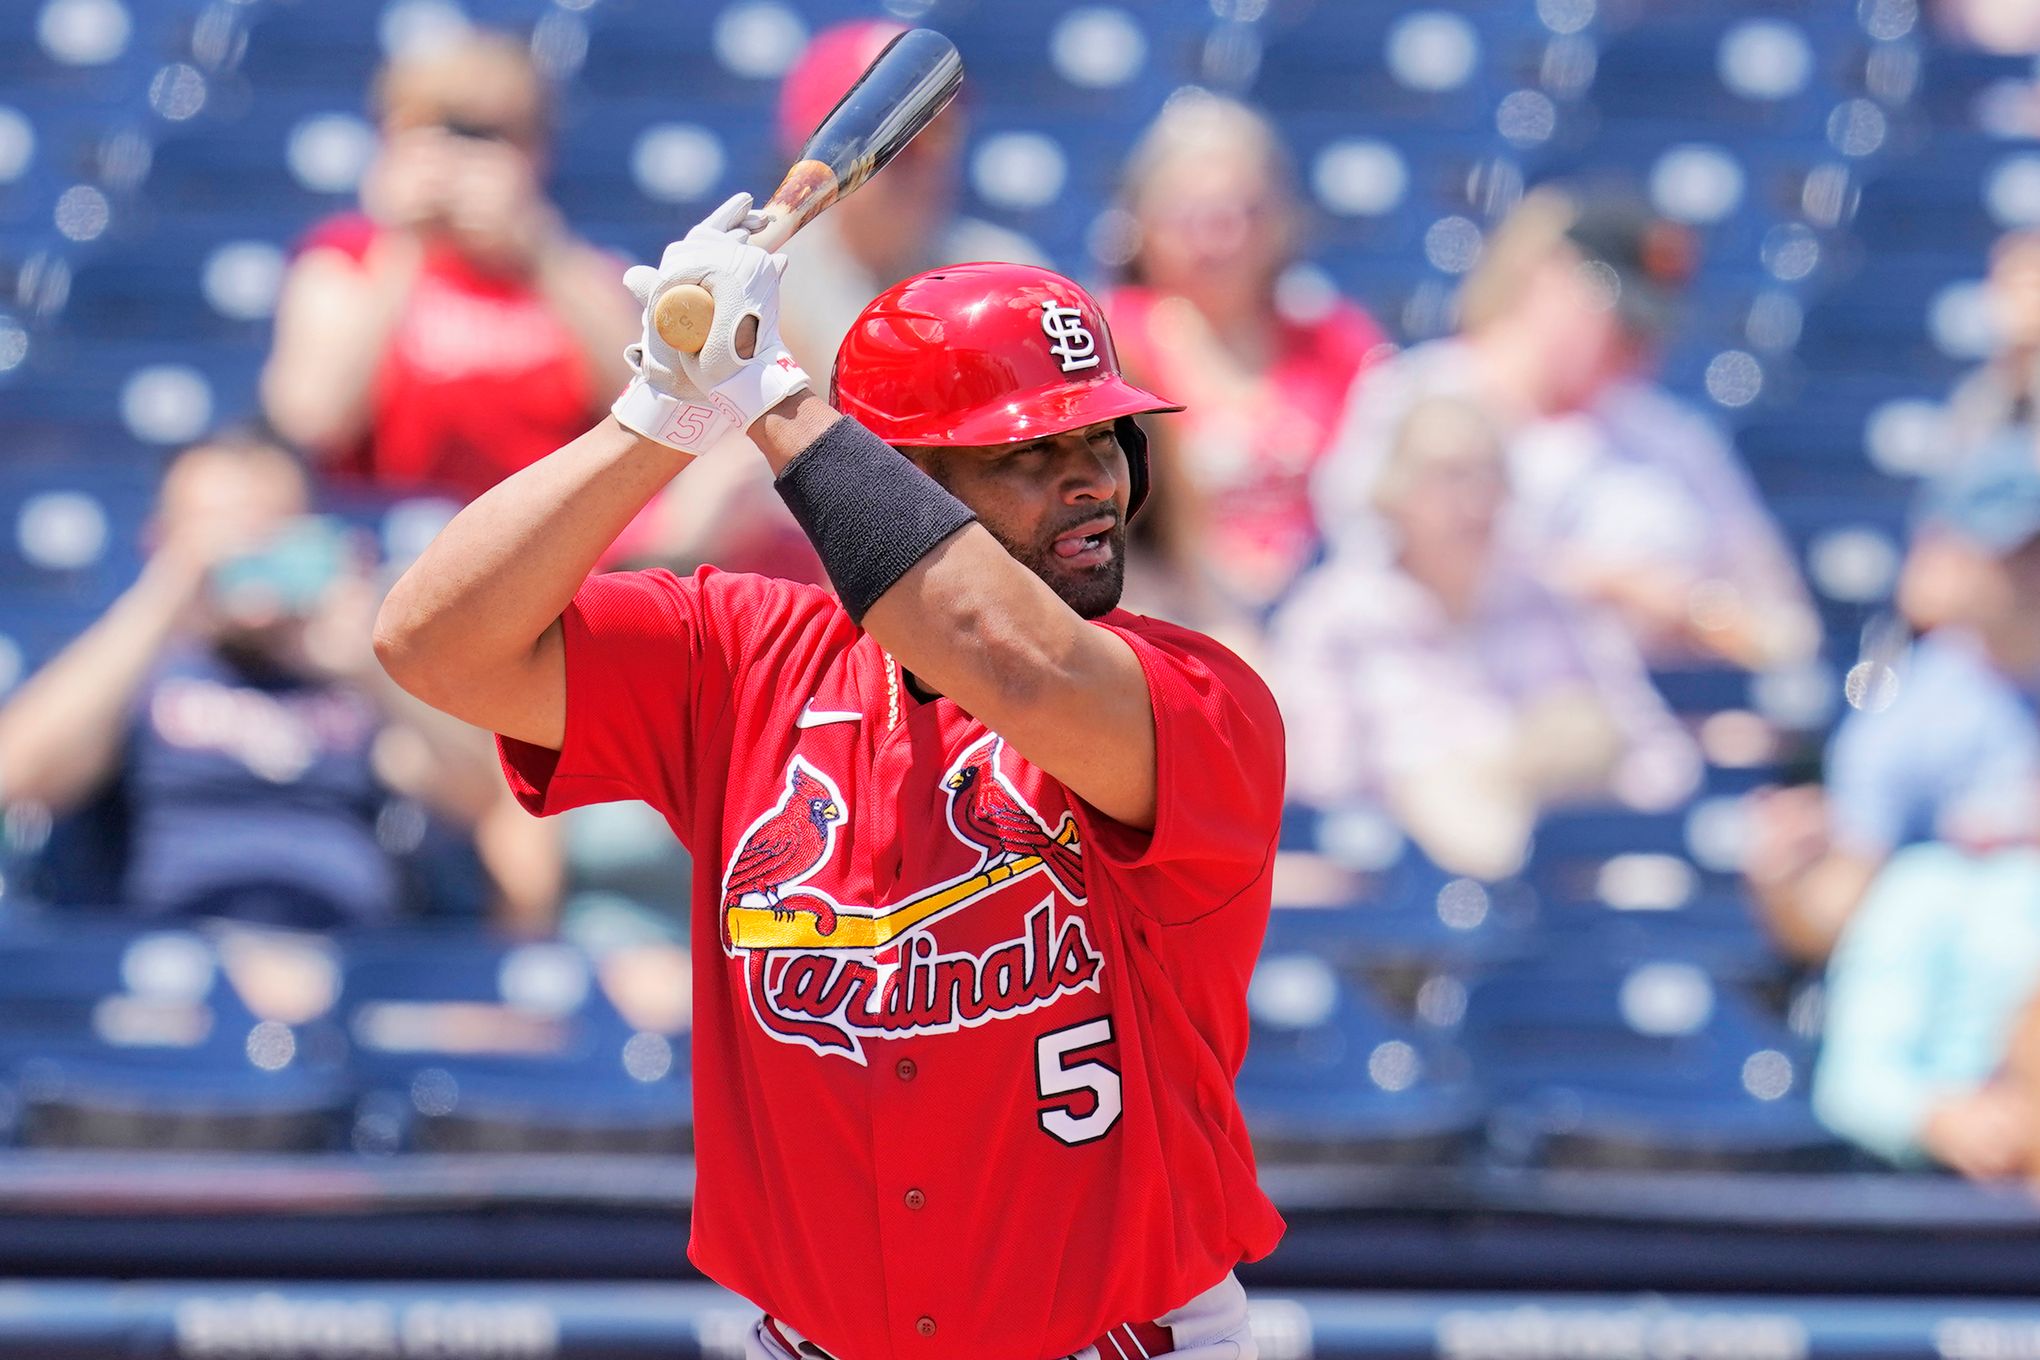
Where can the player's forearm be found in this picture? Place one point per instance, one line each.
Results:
(975, 625)
(480, 597)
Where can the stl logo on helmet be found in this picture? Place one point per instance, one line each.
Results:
(1069, 339)
(829, 975)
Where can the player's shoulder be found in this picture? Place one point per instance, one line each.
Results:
(739, 607)
(745, 597)
(1213, 669)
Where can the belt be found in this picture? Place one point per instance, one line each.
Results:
(1128, 1341)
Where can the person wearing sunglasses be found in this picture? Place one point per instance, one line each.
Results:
(454, 329)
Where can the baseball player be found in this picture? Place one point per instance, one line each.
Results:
(982, 861)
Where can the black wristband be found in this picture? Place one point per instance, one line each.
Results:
(870, 513)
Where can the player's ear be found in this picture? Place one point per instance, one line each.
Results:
(930, 460)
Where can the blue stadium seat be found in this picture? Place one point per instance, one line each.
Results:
(154, 289)
(304, 46)
(1413, 64)
(1737, 74)
(1329, 1075)
(614, 152)
(1935, 205)
(1951, 79)
(650, 49)
(1702, 689)
(1650, 1066)
(1406, 913)
(468, 1044)
(120, 1036)
(1716, 930)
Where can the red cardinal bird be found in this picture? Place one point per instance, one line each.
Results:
(784, 848)
(988, 814)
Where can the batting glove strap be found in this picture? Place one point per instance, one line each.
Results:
(721, 418)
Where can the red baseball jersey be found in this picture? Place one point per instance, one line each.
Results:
(964, 1047)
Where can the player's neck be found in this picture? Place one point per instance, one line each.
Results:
(922, 694)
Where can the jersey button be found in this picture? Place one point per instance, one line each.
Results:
(915, 1199)
(906, 1069)
(925, 1326)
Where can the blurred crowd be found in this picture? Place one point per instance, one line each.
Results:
(1461, 566)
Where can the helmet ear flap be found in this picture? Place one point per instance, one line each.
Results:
(1134, 440)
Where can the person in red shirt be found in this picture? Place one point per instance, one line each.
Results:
(454, 330)
(1215, 220)
(983, 861)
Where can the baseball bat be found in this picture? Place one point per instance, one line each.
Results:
(900, 93)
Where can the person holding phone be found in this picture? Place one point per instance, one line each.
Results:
(232, 696)
(454, 329)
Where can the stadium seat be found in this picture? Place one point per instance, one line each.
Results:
(1329, 1076)
(113, 1035)
(1404, 912)
(1409, 64)
(1650, 1066)
(1750, 74)
(467, 1044)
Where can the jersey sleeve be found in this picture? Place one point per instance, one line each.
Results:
(639, 657)
(1219, 773)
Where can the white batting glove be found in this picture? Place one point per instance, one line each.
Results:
(699, 403)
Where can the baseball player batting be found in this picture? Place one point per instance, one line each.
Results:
(982, 861)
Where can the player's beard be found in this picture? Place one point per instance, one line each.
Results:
(1091, 591)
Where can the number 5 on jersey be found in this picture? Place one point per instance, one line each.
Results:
(1066, 1083)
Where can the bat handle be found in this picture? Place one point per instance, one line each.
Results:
(684, 312)
(682, 316)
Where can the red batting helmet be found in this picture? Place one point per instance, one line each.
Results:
(975, 354)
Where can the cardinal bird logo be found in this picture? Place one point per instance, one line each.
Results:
(989, 813)
(785, 846)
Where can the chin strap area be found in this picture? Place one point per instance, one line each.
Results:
(1134, 440)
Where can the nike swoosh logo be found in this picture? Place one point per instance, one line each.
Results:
(810, 716)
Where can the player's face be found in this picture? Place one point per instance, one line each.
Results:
(1058, 504)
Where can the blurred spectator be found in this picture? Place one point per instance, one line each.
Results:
(1943, 746)
(2001, 393)
(2007, 26)
(1996, 399)
(1622, 494)
(1447, 685)
(2009, 106)
(1216, 216)
(898, 224)
(455, 330)
(1924, 994)
(233, 698)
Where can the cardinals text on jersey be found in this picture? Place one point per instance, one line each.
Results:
(829, 974)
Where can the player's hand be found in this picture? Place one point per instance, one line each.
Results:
(743, 370)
